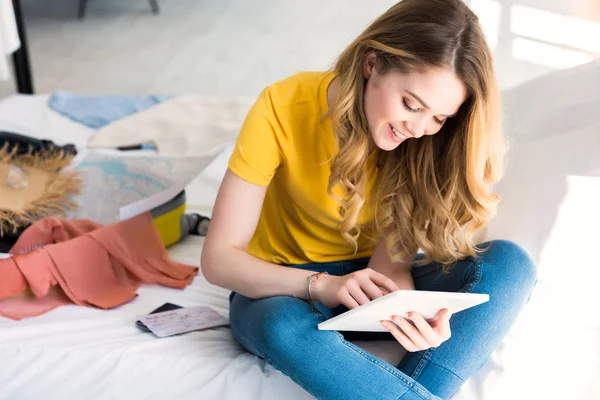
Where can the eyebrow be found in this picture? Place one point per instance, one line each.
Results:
(420, 100)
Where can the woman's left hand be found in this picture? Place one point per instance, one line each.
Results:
(423, 335)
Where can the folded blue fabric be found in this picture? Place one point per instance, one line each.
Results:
(97, 111)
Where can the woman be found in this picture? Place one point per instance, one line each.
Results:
(338, 178)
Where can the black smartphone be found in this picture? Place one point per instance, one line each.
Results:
(164, 307)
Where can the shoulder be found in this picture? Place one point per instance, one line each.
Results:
(297, 89)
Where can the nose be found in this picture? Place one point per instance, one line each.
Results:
(416, 127)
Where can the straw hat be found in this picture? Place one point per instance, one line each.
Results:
(34, 185)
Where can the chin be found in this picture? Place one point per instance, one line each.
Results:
(385, 145)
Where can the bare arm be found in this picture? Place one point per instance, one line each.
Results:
(224, 259)
(398, 272)
(420, 334)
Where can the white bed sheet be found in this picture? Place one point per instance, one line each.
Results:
(75, 352)
(30, 115)
(84, 353)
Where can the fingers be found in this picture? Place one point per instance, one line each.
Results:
(431, 337)
(383, 290)
(371, 289)
(412, 332)
(400, 336)
(442, 324)
(347, 300)
(365, 285)
(362, 288)
(422, 335)
(355, 290)
(382, 280)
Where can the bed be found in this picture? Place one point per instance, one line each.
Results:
(551, 196)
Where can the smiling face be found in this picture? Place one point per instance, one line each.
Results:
(401, 106)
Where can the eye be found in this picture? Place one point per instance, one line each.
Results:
(414, 110)
(408, 108)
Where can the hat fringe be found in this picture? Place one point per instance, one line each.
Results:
(56, 199)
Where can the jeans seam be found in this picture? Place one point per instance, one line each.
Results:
(478, 272)
(314, 310)
(422, 363)
(410, 385)
(340, 337)
(429, 352)
(274, 364)
(448, 370)
(248, 343)
(419, 392)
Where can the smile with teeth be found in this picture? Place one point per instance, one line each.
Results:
(398, 134)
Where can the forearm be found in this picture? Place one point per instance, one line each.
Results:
(236, 270)
(403, 280)
(399, 272)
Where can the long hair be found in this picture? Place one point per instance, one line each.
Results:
(433, 192)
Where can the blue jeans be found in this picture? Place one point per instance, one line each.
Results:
(283, 331)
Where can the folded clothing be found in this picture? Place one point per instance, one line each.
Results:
(92, 265)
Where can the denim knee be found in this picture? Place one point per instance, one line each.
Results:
(511, 265)
(282, 322)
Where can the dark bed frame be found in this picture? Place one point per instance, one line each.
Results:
(21, 56)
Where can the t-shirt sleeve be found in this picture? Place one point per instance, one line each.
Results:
(258, 152)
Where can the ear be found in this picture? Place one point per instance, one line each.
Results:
(368, 65)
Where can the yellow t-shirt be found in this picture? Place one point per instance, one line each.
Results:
(286, 143)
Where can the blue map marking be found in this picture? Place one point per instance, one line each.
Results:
(119, 170)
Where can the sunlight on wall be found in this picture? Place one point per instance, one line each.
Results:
(548, 55)
(551, 39)
(549, 27)
(540, 37)
(488, 12)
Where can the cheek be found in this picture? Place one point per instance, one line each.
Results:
(372, 106)
(382, 107)
(391, 108)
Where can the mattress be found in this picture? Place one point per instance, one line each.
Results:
(85, 353)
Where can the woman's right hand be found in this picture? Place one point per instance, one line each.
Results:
(352, 290)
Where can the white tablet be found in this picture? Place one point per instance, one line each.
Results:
(367, 318)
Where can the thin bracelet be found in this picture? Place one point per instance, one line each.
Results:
(308, 297)
(309, 281)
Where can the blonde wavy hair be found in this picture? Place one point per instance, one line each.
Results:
(434, 192)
